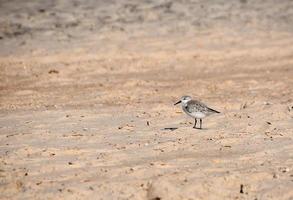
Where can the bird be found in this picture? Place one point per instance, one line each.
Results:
(195, 109)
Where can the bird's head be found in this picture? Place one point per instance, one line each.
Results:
(183, 100)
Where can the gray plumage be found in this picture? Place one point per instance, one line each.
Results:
(195, 109)
(197, 106)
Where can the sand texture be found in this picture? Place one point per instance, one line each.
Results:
(87, 91)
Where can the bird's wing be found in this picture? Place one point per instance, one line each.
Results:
(212, 110)
(198, 106)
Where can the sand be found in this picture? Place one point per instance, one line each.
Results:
(87, 91)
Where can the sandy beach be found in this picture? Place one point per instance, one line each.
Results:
(87, 91)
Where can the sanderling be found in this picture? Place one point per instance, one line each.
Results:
(195, 109)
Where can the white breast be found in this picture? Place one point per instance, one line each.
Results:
(198, 115)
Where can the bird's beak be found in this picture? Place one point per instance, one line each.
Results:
(177, 102)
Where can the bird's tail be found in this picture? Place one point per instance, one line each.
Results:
(214, 110)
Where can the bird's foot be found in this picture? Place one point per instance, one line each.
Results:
(196, 127)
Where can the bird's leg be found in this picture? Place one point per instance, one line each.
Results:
(195, 121)
(200, 123)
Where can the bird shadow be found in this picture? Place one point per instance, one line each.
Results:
(169, 128)
(175, 128)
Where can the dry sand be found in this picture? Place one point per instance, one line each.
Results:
(87, 88)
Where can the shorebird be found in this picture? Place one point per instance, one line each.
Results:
(195, 109)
